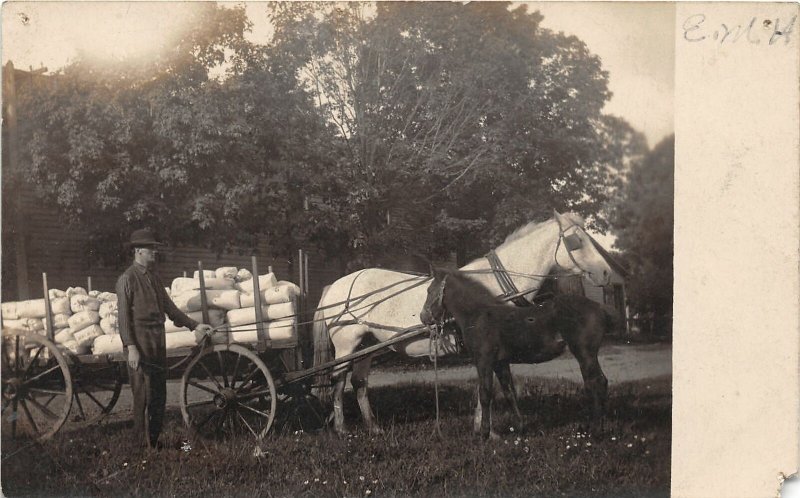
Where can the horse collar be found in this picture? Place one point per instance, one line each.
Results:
(504, 280)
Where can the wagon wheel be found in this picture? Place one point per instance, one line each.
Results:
(96, 391)
(226, 390)
(37, 385)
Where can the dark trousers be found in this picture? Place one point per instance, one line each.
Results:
(149, 387)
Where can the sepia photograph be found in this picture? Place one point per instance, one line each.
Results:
(373, 248)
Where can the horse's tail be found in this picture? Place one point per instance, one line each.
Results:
(323, 352)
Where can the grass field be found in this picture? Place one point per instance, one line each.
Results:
(551, 457)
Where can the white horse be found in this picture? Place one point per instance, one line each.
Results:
(384, 302)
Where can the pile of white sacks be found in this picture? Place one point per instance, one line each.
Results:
(86, 322)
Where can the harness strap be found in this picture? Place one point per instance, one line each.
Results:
(510, 291)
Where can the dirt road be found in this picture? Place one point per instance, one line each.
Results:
(619, 363)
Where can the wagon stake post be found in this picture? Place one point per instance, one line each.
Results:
(203, 297)
(48, 311)
(262, 340)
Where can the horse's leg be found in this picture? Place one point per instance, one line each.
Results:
(338, 402)
(503, 371)
(485, 383)
(476, 419)
(359, 381)
(595, 383)
(346, 339)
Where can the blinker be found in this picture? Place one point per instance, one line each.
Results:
(573, 242)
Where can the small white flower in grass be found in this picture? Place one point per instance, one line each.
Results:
(344, 482)
(644, 439)
(374, 481)
(516, 443)
(305, 482)
(647, 452)
(316, 479)
(568, 446)
(125, 464)
(326, 482)
(511, 429)
(630, 445)
(588, 444)
(368, 492)
(613, 438)
(360, 478)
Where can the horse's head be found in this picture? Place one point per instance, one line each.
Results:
(576, 251)
(433, 309)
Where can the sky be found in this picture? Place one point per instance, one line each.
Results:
(634, 41)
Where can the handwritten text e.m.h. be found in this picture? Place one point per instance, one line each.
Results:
(697, 28)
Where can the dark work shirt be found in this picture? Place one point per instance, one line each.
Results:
(142, 303)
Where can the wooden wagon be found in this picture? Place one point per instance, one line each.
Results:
(225, 388)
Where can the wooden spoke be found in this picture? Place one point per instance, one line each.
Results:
(38, 392)
(202, 387)
(235, 371)
(29, 417)
(246, 424)
(222, 368)
(254, 394)
(43, 374)
(247, 379)
(46, 411)
(80, 406)
(231, 416)
(200, 403)
(33, 361)
(253, 410)
(14, 414)
(213, 379)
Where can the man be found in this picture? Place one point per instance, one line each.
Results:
(142, 302)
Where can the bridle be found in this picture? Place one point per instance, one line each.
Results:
(439, 300)
(511, 293)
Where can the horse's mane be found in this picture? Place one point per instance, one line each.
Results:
(533, 226)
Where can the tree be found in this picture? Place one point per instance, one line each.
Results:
(643, 222)
(454, 123)
(159, 143)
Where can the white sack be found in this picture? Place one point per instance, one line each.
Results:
(86, 336)
(9, 310)
(54, 293)
(110, 325)
(243, 274)
(72, 291)
(283, 293)
(82, 302)
(107, 308)
(181, 340)
(269, 312)
(107, 297)
(215, 318)
(181, 285)
(228, 272)
(60, 321)
(94, 293)
(24, 324)
(206, 274)
(222, 299)
(107, 344)
(83, 319)
(264, 282)
(63, 336)
(76, 348)
(279, 330)
(35, 307)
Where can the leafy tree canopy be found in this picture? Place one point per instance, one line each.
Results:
(368, 128)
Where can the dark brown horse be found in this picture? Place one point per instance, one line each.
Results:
(497, 335)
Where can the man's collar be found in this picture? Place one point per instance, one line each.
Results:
(140, 267)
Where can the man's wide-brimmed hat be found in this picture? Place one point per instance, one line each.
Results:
(143, 238)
